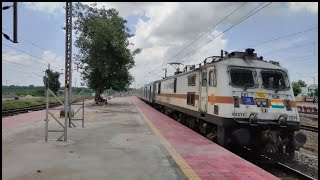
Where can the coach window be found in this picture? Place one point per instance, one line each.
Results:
(175, 85)
(192, 80)
(159, 88)
(204, 79)
(190, 98)
(212, 78)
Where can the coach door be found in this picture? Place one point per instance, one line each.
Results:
(204, 91)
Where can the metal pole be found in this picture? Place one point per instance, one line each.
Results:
(47, 108)
(314, 92)
(68, 62)
(48, 76)
(83, 110)
(15, 22)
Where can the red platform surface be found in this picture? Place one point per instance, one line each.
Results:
(207, 159)
(20, 120)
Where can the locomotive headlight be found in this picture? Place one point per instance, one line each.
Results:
(283, 119)
(258, 102)
(264, 103)
(253, 118)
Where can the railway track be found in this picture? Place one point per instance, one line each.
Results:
(274, 167)
(284, 171)
(11, 112)
(309, 128)
(309, 116)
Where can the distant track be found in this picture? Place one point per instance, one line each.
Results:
(309, 128)
(11, 112)
(309, 116)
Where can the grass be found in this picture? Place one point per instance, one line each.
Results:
(12, 104)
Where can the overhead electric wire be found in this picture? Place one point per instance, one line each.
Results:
(20, 70)
(20, 64)
(208, 31)
(298, 58)
(285, 36)
(25, 52)
(29, 59)
(228, 29)
(270, 52)
(24, 72)
(29, 54)
(203, 34)
(30, 42)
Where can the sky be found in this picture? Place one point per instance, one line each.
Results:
(185, 32)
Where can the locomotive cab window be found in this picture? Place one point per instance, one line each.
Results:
(212, 78)
(242, 77)
(192, 80)
(276, 80)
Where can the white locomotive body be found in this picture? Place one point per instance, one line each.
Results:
(237, 99)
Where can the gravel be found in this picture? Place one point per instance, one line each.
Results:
(307, 160)
(306, 164)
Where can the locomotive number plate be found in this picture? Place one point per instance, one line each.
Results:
(292, 118)
(264, 110)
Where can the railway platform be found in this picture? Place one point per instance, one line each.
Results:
(198, 157)
(125, 139)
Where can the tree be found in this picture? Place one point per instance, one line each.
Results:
(53, 80)
(103, 48)
(302, 83)
(316, 92)
(296, 86)
(275, 62)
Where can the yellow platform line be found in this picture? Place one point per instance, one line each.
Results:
(183, 165)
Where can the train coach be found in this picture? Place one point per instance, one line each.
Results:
(235, 99)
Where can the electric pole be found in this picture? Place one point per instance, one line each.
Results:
(15, 22)
(68, 68)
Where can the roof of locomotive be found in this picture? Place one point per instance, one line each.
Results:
(234, 59)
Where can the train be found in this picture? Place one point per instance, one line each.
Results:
(234, 99)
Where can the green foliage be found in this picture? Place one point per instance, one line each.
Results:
(23, 90)
(296, 86)
(316, 92)
(302, 83)
(53, 80)
(103, 48)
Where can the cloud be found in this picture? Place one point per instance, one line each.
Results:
(13, 56)
(303, 6)
(55, 8)
(25, 66)
(171, 26)
(127, 8)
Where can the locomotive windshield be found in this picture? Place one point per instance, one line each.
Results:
(242, 77)
(276, 80)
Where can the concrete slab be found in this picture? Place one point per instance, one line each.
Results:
(115, 144)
